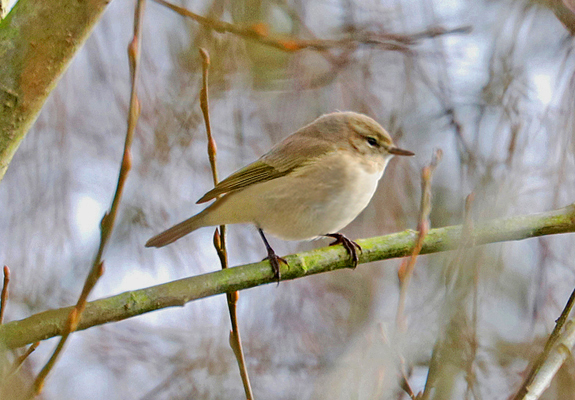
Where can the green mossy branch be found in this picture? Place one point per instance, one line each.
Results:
(50, 323)
(37, 42)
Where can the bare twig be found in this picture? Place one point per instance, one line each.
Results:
(406, 269)
(6, 381)
(220, 233)
(4, 295)
(70, 327)
(259, 32)
(107, 224)
(204, 104)
(20, 360)
(404, 383)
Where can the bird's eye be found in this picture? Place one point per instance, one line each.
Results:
(372, 141)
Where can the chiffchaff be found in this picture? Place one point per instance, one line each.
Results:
(313, 183)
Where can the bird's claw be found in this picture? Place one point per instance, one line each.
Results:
(350, 246)
(272, 257)
(275, 261)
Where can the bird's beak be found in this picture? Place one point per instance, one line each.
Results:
(400, 152)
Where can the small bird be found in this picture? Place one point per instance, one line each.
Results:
(313, 183)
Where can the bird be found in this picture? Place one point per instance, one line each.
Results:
(312, 184)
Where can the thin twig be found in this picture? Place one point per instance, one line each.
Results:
(70, 327)
(205, 106)
(6, 381)
(406, 269)
(220, 233)
(20, 360)
(259, 32)
(4, 295)
(107, 223)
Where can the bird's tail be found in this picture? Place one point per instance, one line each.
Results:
(177, 231)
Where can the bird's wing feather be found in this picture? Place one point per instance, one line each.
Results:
(279, 161)
(255, 172)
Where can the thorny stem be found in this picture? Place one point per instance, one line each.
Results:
(220, 233)
(107, 224)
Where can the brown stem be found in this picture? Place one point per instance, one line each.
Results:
(107, 224)
(220, 233)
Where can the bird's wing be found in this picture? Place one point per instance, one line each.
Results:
(255, 172)
(279, 161)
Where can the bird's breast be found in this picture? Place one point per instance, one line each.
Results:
(319, 198)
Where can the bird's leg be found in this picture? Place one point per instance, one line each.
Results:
(350, 246)
(272, 257)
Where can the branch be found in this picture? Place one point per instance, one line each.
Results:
(220, 233)
(51, 323)
(37, 41)
(554, 359)
(259, 32)
(406, 269)
(107, 223)
(548, 362)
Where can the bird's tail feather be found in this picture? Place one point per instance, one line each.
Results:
(176, 231)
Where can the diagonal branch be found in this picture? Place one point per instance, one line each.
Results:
(107, 224)
(552, 359)
(51, 323)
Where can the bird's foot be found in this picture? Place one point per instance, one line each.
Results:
(350, 246)
(275, 261)
(273, 258)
